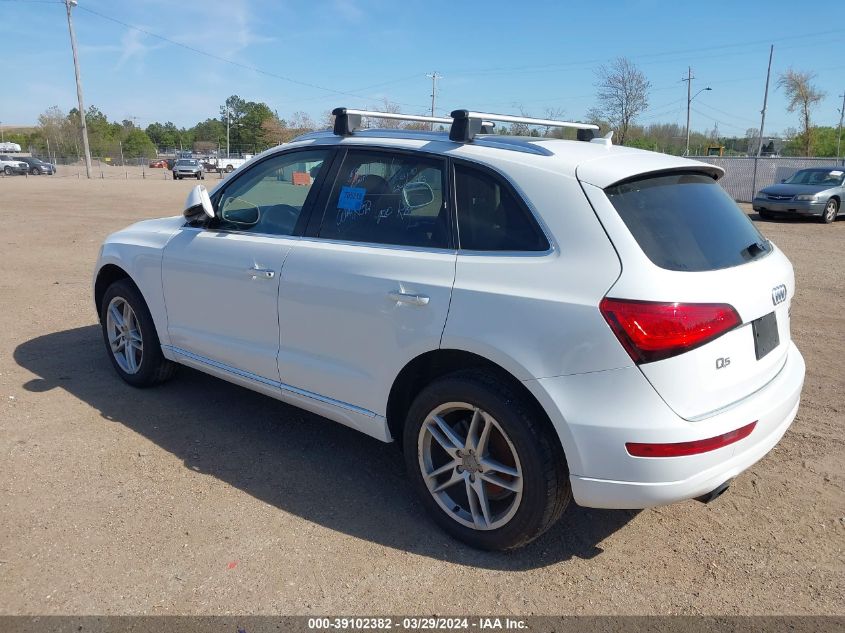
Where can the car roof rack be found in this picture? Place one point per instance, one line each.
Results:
(348, 121)
(464, 125)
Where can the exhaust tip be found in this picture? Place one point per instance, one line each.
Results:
(715, 493)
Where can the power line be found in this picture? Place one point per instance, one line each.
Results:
(232, 62)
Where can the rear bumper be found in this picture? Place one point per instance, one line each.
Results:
(596, 427)
(789, 206)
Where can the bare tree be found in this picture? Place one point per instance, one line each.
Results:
(554, 114)
(622, 91)
(391, 108)
(801, 95)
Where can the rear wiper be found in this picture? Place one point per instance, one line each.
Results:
(753, 250)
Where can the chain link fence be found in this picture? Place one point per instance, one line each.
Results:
(108, 168)
(740, 180)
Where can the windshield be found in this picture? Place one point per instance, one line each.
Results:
(687, 222)
(192, 163)
(829, 177)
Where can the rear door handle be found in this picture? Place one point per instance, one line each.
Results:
(405, 297)
(261, 273)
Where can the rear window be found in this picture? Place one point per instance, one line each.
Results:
(687, 222)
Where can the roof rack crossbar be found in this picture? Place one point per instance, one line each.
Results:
(464, 124)
(467, 123)
(347, 120)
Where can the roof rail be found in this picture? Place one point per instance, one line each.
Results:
(348, 121)
(466, 124)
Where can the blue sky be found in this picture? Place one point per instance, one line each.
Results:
(494, 56)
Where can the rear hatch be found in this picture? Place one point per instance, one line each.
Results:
(703, 301)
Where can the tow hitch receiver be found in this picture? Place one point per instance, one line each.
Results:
(716, 492)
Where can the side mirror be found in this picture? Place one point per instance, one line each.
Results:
(417, 194)
(198, 205)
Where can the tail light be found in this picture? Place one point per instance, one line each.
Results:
(651, 331)
(696, 447)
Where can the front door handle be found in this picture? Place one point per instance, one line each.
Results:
(405, 297)
(261, 273)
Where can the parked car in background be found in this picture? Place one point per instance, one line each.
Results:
(11, 165)
(221, 164)
(9, 147)
(159, 163)
(818, 192)
(187, 168)
(535, 320)
(38, 166)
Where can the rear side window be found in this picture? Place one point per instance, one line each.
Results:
(490, 218)
(687, 222)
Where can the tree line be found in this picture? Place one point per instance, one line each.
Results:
(622, 96)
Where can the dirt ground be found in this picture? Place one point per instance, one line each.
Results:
(199, 497)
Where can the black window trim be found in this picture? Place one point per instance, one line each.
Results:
(307, 207)
(315, 223)
(521, 201)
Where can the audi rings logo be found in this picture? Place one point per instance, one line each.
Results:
(778, 294)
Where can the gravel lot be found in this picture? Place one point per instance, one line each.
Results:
(202, 497)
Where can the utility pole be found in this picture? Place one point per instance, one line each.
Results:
(762, 121)
(83, 126)
(765, 101)
(690, 97)
(434, 77)
(228, 123)
(689, 101)
(3, 139)
(839, 129)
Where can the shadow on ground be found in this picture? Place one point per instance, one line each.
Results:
(299, 462)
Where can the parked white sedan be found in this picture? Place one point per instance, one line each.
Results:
(533, 319)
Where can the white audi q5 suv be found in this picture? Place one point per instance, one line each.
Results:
(533, 320)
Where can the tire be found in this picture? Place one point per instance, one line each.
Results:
(199, 176)
(229, 169)
(831, 209)
(7, 170)
(150, 365)
(35, 171)
(766, 215)
(519, 440)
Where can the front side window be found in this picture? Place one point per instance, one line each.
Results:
(386, 198)
(270, 196)
(490, 218)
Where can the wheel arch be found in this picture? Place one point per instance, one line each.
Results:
(431, 365)
(106, 276)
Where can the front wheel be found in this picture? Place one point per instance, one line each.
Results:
(7, 170)
(484, 462)
(830, 211)
(131, 338)
(766, 215)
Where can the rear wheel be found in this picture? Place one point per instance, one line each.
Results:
(229, 169)
(830, 211)
(131, 338)
(35, 171)
(7, 170)
(486, 466)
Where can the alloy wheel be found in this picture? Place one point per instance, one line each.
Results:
(124, 333)
(470, 466)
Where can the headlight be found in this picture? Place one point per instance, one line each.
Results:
(806, 197)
